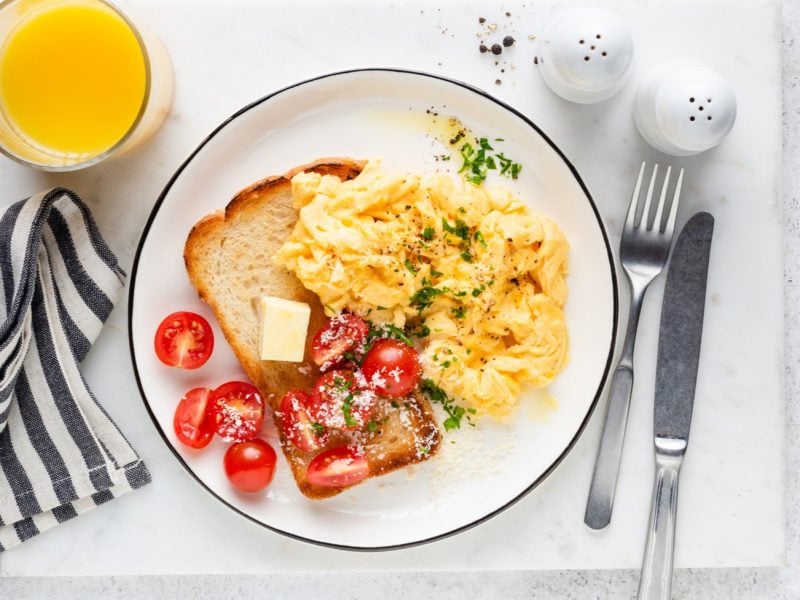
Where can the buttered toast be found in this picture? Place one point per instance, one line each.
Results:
(229, 260)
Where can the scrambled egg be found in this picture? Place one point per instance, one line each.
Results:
(470, 271)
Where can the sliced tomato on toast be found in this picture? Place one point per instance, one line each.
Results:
(341, 334)
(298, 425)
(338, 467)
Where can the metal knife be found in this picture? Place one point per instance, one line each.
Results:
(676, 374)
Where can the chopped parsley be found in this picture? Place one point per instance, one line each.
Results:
(454, 412)
(397, 333)
(372, 426)
(347, 410)
(466, 255)
(428, 233)
(423, 331)
(459, 312)
(414, 270)
(478, 161)
(479, 238)
(435, 273)
(318, 428)
(478, 291)
(460, 229)
(423, 297)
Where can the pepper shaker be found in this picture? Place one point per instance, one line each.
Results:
(585, 54)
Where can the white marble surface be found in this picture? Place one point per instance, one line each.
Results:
(738, 583)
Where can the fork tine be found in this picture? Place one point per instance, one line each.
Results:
(646, 212)
(673, 211)
(661, 200)
(635, 199)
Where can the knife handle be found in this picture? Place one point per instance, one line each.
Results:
(656, 580)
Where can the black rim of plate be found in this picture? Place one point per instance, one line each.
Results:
(538, 480)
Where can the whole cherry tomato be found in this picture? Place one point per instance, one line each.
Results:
(250, 465)
(392, 368)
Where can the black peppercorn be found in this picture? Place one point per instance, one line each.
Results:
(483, 48)
(508, 41)
(497, 49)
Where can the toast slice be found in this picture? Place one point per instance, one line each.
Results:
(228, 257)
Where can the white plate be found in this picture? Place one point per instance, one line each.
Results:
(365, 113)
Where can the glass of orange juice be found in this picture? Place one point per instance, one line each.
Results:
(79, 82)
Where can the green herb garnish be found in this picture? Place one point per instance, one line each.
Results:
(397, 333)
(372, 426)
(436, 394)
(459, 312)
(478, 161)
(466, 255)
(423, 297)
(428, 233)
(423, 331)
(347, 410)
(318, 428)
(414, 270)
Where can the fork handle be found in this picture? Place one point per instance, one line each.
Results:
(606, 467)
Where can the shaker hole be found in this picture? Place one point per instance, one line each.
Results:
(709, 100)
(586, 58)
(598, 36)
(699, 108)
(592, 47)
(691, 99)
(581, 42)
(709, 117)
(605, 53)
(691, 118)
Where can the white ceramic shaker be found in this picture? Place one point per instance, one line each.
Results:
(585, 54)
(684, 107)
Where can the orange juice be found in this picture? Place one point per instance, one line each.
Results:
(73, 78)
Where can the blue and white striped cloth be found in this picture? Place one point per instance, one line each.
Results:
(60, 452)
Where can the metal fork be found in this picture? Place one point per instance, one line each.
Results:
(644, 249)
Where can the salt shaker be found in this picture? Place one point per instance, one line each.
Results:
(585, 54)
(684, 107)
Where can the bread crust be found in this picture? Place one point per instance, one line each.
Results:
(228, 260)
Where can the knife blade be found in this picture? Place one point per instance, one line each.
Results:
(679, 339)
(681, 329)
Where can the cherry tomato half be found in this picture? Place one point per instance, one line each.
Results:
(391, 368)
(338, 467)
(340, 334)
(184, 340)
(192, 423)
(337, 402)
(237, 411)
(298, 425)
(250, 465)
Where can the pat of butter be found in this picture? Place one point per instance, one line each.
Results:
(284, 327)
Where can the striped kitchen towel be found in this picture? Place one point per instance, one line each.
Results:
(60, 452)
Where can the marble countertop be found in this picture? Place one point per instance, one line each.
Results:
(777, 583)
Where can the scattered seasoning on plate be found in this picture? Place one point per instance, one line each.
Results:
(508, 41)
(497, 49)
(483, 48)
